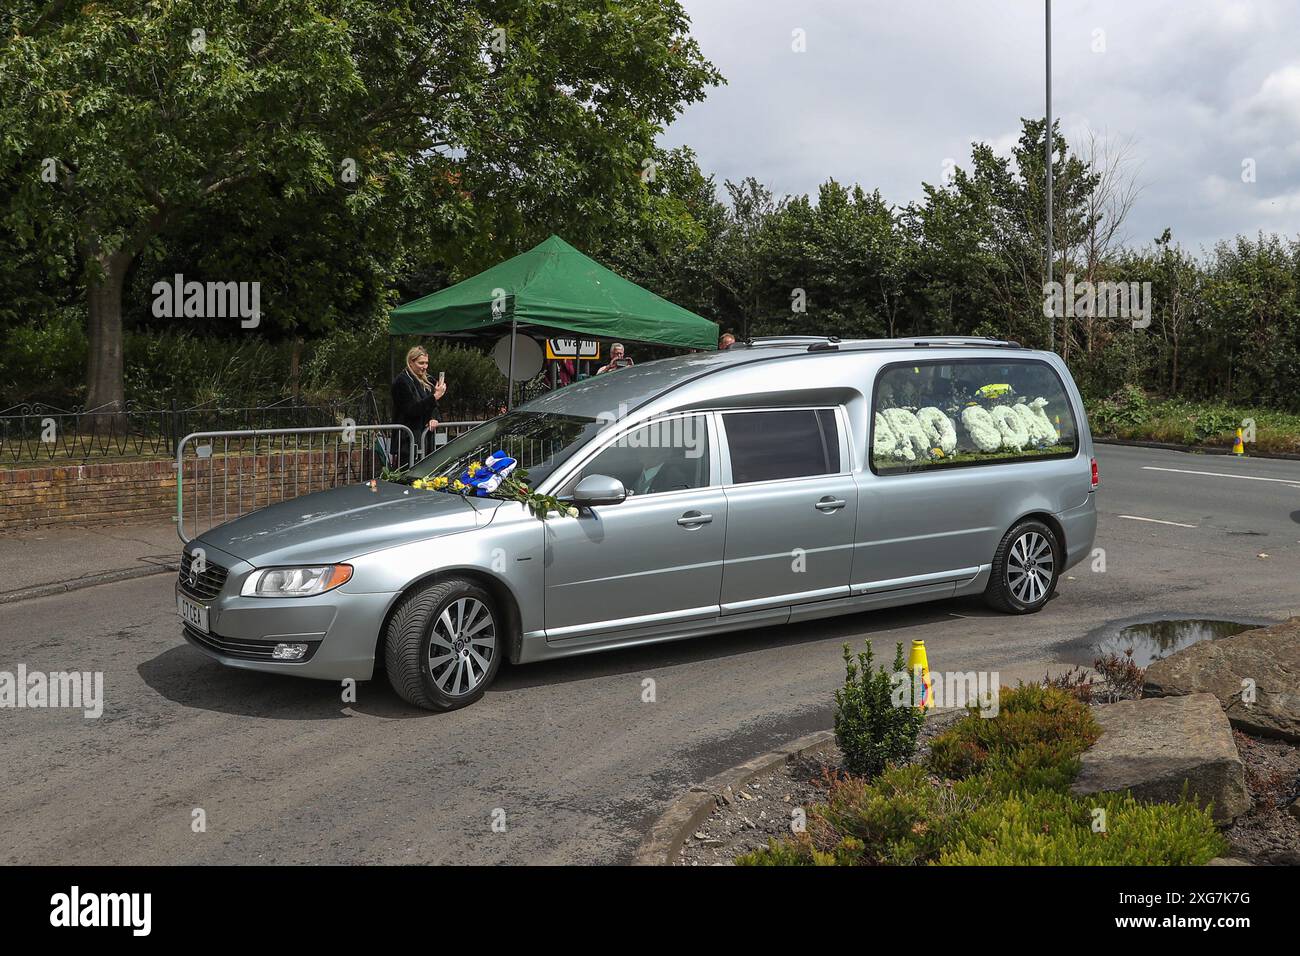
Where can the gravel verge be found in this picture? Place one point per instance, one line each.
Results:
(1269, 832)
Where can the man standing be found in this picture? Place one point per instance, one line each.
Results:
(617, 359)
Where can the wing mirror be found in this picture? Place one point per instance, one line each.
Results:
(599, 490)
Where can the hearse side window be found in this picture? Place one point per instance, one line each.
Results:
(667, 455)
(793, 443)
(929, 415)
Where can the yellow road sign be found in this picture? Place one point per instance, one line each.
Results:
(572, 349)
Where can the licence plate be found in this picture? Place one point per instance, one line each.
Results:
(192, 613)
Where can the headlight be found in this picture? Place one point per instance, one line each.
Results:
(296, 582)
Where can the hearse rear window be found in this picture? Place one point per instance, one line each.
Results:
(929, 415)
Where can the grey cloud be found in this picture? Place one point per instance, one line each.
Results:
(886, 91)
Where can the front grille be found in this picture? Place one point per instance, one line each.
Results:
(206, 585)
(242, 649)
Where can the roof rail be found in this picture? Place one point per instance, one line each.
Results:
(770, 341)
(820, 343)
(977, 341)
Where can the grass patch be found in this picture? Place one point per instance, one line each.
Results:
(995, 791)
(1131, 415)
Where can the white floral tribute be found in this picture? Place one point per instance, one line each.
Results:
(1015, 436)
(981, 427)
(905, 424)
(939, 429)
(888, 444)
(1042, 430)
(930, 434)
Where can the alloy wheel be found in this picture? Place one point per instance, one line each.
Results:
(462, 646)
(1030, 567)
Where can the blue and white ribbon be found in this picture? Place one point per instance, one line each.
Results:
(496, 467)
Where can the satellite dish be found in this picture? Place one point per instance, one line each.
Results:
(528, 357)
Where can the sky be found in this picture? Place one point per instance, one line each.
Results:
(1202, 94)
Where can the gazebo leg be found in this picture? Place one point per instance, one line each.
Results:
(510, 378)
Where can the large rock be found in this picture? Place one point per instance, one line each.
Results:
(1155, 746)
(1269, 656)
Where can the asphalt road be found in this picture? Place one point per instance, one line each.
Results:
(566, 754)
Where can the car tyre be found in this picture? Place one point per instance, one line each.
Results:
(1026, 568)
(444, 645)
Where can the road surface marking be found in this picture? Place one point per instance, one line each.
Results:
(1293, 482)
(1176, 524)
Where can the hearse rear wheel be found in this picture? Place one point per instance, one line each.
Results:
(1026, 567)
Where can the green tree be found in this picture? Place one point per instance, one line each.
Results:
(467, 122)
(742, 266)
(983, 236)
(669, 240)
(841, 260)
(1250, 329)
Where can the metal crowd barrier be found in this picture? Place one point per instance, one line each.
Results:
(221, 475)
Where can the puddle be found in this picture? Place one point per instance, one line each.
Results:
(1153, 640)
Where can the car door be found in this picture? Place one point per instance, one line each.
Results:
(654, 561)
(791, 507)
(928, 530)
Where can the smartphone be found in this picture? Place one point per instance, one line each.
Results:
(442, 378)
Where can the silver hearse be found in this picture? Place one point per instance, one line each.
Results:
(782, 480)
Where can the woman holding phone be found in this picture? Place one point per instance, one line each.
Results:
(415, 400)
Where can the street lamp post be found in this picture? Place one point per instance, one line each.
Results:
(1051, 321)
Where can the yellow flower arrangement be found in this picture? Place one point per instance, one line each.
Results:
(511, 488)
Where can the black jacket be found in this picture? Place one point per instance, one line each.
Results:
(412, 405)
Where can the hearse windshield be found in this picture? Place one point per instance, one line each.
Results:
(540, 441)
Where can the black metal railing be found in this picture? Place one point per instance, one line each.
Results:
(39, 433)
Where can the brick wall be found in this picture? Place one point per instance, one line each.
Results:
(86, 494)
(110, 492)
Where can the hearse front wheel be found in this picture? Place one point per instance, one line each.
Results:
(1026, 568)
(444, 645)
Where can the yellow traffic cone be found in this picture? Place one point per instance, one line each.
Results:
(1238, 448)
(917, 662)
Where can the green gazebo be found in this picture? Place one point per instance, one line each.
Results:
(554, 287)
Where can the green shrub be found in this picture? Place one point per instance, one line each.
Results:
(1034, 741)
(45, 361)
(1127, 407)
(905, 817)
(1046, 828)
(345, 360)
(871, 731)
(794, 851)
(1001, 798)
(1211, 423)
(900, 818)
(39, 357)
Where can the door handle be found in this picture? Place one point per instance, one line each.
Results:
(694, 519)
(828, 504)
